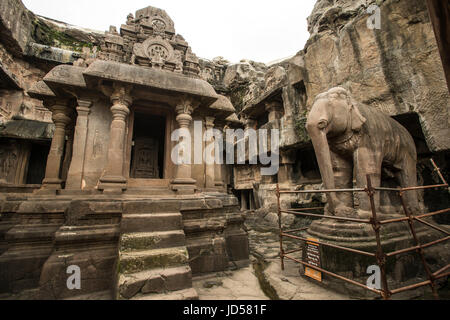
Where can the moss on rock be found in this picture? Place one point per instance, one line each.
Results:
(44, 34)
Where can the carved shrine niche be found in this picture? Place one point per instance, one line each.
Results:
(14, 157)
(145, 159)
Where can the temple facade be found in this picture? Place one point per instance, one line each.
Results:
(118, 196)
(104, 138)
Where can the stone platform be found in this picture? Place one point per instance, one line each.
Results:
(127, 247)
(402, 270)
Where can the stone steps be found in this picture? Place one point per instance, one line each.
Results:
(156, 281)
(187, 294)
(154, 260)
(152, 240)
(137, 261)
(151, 222)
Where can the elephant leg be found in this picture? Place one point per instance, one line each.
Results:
(407, 177)
(343, 177)
(367, 163)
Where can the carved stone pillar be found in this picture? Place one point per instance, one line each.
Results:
(76, 170)
(286, 172)
(61, 118)
(210, 163)
(113, 178)
(275, 110)
(219, 167)
(68, 150)
(183, 182)
(250, 124)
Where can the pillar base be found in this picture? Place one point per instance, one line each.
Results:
(112, 184)
(219, 184)
(184, 186)
(52, 184)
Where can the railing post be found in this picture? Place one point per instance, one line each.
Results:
(280, 227)
(381, 257)
(418, 244)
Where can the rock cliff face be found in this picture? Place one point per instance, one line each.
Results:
(396, 69)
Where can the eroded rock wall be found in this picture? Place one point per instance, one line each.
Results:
(396, 69)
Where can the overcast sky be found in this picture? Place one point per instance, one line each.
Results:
(259, 30)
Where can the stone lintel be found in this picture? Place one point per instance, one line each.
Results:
(151, 78)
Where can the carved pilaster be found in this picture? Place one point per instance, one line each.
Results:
(76, 170)
(113, 178)
(219, 167)
(61, 116)
(210, 161)
(183, 182)
(275, 110)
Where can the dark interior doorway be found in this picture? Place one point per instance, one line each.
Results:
(37, 163)
(147, 155)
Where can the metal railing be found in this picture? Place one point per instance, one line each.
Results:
(376, 223)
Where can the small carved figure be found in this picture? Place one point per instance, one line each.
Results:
(130, 19)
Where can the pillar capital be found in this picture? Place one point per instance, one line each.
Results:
(121, 95)
(275, 109)
(273, 106)
(250, 123)
(84, 104)
(209, 122)
(186, 105)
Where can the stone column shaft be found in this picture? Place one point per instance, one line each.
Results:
(210, 167)
(219, 167)
(76, 170)
(113, 178)
(61, 119)
(183, 182)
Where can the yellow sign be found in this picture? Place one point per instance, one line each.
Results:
(312, 255)
(314, 274)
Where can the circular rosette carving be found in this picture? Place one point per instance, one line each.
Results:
(156, 49)
(158, 24)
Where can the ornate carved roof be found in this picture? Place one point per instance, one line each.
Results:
(148, 39)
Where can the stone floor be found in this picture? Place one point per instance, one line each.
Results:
(263, 279)
(231, 285)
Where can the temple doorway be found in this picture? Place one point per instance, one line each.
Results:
(148, 146)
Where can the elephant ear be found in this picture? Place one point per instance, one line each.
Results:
(357, 119)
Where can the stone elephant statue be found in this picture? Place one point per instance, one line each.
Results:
(354, 140)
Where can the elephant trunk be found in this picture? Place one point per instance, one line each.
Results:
(322, 150)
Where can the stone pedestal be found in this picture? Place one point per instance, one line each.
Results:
(75, 175)
(61, 118)
(401, 270)
(114, 179)
(183, 182)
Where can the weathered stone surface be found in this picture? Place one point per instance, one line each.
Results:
(137, 261)
(151, 222)
(238, 285)
(393, 69)
(152, 240)
(16, 23)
